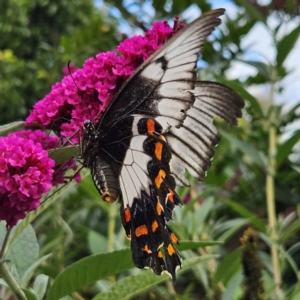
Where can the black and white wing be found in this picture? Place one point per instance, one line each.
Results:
(159, 125)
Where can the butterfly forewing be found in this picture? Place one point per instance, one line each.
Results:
(158, 126)
(165, 78)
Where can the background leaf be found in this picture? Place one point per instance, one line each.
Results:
(286, 44)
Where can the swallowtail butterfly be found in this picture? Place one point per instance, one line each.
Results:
(159, 125)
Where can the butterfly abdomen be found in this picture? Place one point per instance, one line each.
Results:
(105, 180)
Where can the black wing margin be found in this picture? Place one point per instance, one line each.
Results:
(198, 136)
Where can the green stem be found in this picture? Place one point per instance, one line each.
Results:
(111, 231)
(5, 273)
(270, 192)
(111, 227)
(3, 247)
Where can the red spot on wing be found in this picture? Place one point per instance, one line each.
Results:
(127, 215)
(150, 126)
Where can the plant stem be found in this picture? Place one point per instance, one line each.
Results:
(3, 247)
(270, 191)
(5, 273)
(111, 232)
(111, 227)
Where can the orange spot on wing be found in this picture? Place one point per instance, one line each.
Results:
(170, 249)
(159, 254)
(154, 226)
(174, 238)
(146, 248)
(158, 208)
(158, 150)
(127, 215)
(159, 178)
(141, 230)
(150, 126)
(170, 196)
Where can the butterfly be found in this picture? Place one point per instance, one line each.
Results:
(159, 125)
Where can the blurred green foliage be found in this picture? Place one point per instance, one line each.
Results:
(40, 37)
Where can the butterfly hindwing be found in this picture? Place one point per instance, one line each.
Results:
(198, 136)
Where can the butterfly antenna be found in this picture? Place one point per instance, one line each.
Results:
(69, 69)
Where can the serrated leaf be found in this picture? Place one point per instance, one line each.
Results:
(40, 285)
(63, 154)
(88, 270)
(11, 127)
(285, 46)
(133, 285)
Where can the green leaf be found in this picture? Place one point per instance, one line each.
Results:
(286, 44)
(234, 287)
(203, 212)
(88, 270)
(187, 245)
(226, 229)
(228, 266)
(255, 156)
(97, 242)
(284, 253)
(133, 285)
(244, 212)
(251, 10)
(40, 285)
(30, 294)
(61, 155)
(262, 68)
(23, 252)
(11, 127)
(29, 272)
(285, 148)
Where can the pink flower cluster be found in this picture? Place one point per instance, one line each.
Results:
(51, 142)
(90, 90)
(25, 174)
